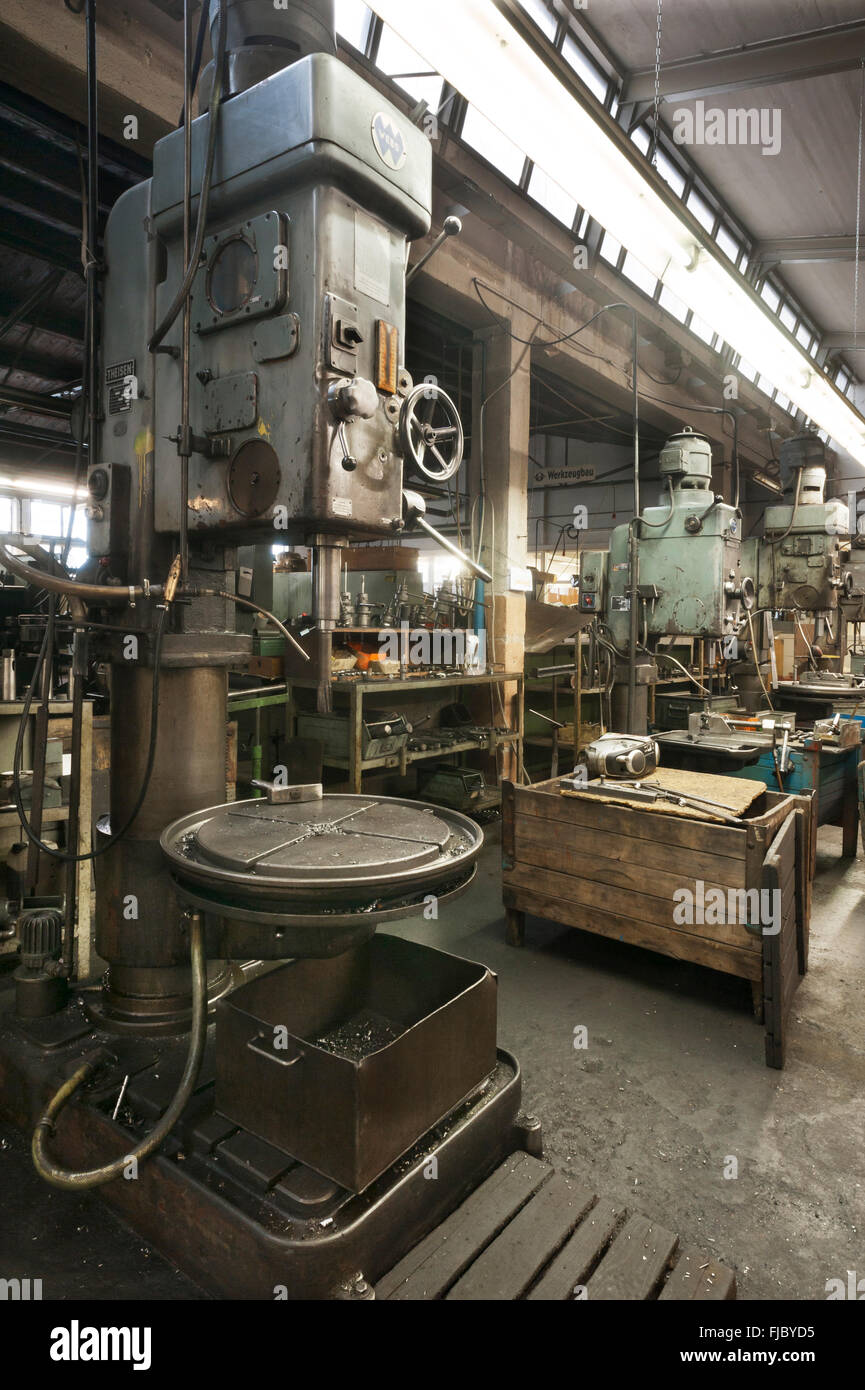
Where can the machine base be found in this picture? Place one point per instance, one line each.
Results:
(239, 1217)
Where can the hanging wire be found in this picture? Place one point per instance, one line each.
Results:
(858, 205)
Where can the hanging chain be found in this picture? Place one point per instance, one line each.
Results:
(858, 206)
(653, 152)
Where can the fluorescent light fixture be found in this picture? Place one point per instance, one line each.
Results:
(40, 489)
(481, 54)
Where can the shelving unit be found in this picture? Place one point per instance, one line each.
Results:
(358, 692)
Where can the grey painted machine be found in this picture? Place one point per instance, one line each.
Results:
(252, 391)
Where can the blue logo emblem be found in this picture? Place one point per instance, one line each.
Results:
(389, 141)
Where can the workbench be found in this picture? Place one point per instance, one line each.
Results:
(816, 765)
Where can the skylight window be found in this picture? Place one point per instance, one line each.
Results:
(640, 276)
(729, 244)
(704, 214)
(671, 173)
(352, 22)
(540, 15)
(547, 192)
(771, 296)
(589, 74)
(408, 70)
(501, 152)
(673, 304)
(611, 249)
(702, 329)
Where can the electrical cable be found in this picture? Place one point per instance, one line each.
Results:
(196, 57)
(34, 839)
(253, 607)
(94, 1177)
(755, 654)
(191, 270)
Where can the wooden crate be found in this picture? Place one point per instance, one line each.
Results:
(613, 870)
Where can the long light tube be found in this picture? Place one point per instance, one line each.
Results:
(482, 55)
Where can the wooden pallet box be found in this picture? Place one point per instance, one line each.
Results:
(615, 870)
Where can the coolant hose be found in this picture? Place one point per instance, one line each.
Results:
(95, 1177)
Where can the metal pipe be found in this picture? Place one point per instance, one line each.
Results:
(78, 677)
(40, 739)
(634, 547)
(184, 442)
(92, 264)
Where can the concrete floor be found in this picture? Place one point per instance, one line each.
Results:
(672, 1084)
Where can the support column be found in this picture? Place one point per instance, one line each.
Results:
(502, 395)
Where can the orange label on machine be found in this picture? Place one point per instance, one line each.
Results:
(387, 357)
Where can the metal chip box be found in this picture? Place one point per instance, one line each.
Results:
(380, 738)
(346, 1063)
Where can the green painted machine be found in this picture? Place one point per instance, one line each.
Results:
(693, 580)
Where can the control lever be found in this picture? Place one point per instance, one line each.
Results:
(415, 515)
(452, 227)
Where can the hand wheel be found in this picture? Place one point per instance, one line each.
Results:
(430, 426)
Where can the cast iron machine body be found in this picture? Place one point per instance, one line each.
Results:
(693, 577)
(253, 391)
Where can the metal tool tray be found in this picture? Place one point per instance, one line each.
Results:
(351, 1116)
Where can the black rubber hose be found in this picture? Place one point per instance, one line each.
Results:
(94, 1177)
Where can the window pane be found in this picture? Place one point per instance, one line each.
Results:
(702, 329)
(671, 173)
(352, 22)
(5, 513)
(771, 296)
(610, 249)
(585, 69)
(704, 214)
(396, 59)
(46, 518)
(746, 369)
(484, 137)
(538, 12)
(641, 139)
(673, 304)
(550, 196)
(782, 401)
(805, 336)
(641, 277)
(788, 317)
(728, 244)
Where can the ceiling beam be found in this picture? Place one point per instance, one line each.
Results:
(31, 237)
(65, 321)
(836, 48)
(801, 249)
(843, 342)
(35, 403)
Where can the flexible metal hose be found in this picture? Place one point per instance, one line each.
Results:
(69, 1178)
(100, 594)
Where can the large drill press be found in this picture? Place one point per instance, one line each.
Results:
(252, 390)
